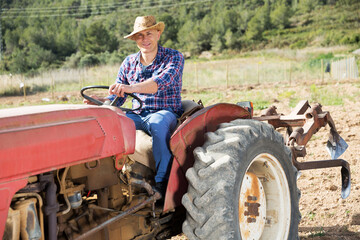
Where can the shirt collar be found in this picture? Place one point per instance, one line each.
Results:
(158, 57)
(160, 53)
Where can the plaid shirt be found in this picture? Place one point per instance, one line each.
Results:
(166, 70)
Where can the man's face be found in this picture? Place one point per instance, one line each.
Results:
(147, 40)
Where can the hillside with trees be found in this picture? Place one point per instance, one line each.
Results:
(38, 35)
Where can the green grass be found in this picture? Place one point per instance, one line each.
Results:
(318, 233)
(311, 215)
(325, 26)
(264, 77)
(325, 96)
(261, 96)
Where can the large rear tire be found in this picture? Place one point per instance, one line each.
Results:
(242, 186)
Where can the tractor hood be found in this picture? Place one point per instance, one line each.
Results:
(39, 139)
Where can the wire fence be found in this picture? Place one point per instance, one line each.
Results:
(246, 72)
(197, 75)
(345, 69)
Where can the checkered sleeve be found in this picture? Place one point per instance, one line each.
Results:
(171, 73)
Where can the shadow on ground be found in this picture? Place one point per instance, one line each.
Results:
(336, 232)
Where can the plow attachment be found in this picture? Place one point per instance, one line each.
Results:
(336, 145)
(307, 120)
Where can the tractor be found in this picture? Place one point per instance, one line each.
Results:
(72, 171)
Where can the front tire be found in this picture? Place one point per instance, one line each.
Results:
(242, 185)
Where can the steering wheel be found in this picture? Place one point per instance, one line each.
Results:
(113, 103)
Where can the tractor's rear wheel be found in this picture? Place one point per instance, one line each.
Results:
(242, 186)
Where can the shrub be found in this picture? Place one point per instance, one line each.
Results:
(73, 60)
(299, 44)
(89, 60)
(351, 39)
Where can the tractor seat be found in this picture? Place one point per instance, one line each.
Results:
(143, 146)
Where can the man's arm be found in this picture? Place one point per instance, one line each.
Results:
(119, 89)
(172, 73)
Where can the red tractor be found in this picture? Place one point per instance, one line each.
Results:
(83, 172)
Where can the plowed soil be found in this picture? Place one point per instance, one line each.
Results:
(325, 215)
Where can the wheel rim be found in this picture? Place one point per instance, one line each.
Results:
(264, 200)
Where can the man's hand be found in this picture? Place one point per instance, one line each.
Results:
(95, 97)
(120, 89)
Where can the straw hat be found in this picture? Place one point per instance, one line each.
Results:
(145, 23)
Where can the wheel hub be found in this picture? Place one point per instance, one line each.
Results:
(252, 207)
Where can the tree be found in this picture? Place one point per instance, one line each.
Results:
(18, 63)
(216, 43)
(306, 6)
(97, 39)
(280, 16)
(11, 39)
(255, 29)
(230, 39)
(66, 39)
(189, 38)
(36, 56)
(169, 36)
(264, 15)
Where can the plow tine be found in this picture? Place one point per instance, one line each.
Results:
(345, 171)
(336, 145)
(345, 181)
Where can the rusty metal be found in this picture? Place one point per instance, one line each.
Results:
(252, 209)
(144, 185)
(87, 165)
(31, 187)
(345, 171)
(40, 203)
(308, 120)
(269, 111)
(29, 222)
(154, 196)
(12, 229)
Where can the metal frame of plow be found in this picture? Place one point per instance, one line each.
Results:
(307, 120)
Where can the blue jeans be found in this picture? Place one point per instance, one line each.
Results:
(160, 125)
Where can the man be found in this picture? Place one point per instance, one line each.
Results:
(154, 74)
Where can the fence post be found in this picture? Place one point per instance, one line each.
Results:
(80, 79)
(196, 77)
(322, 70)
(243, 76)
(290, 73)
(351, 68)
(52, 87)
(24, 87)
(227, 76)
(348, 69)
(258, 74)
(339, 70)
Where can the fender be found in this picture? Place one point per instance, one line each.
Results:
(189, 135)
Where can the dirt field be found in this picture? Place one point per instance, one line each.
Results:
(325, 215)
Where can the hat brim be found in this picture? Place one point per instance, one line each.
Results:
(159, 26)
